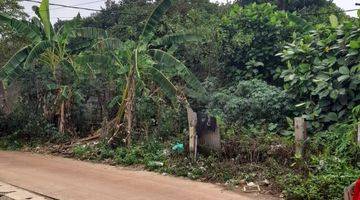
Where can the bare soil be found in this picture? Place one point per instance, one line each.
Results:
(63, 178)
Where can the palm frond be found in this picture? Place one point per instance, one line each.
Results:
(77, 45)
(177, 39)
(45, 18)
(91, 33)
(13, 67)
(95, 59)
(163, 82)
(155, 17)
(22, 27)
(36, 51)
(167, 60)
(108, 44)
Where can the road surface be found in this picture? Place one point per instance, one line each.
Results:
(68, 179)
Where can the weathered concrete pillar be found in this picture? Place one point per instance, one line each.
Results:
(300, 135)
(358, 134)
(192, 120)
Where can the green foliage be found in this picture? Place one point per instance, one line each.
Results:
(339, 140)
(155, 117)
(154, 18)
(332, 164)
(166, 60)
(146, 65)
(252, 35)
(251, 102)
(12, 69)
(124, 20)
(327, 181)
(310, 10)
(54, 51)
(144, 153)
(44, 15)
(203, 18)
(11, 142)
(21, 27)
(82, 151)
(323, 71)
(17, 130)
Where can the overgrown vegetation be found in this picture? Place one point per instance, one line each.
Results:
(126, 80)
(252, 102)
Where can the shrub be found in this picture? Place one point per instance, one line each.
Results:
(26, 125)
(251, 102)
(339, 140)
(326, 181)
(324, 72)
(82, 151)
(156, 116)
(332, 163)
(143, 153)
(252, 35)
(11, 142)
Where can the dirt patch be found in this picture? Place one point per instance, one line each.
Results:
(63, 178)
(66, 150)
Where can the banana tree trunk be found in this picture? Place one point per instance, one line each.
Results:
(129, 108)
(62, 118)
(117, 121)
(130, 101)
(4, 105)
(126, 108)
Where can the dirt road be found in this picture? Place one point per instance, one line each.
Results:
(65, 179)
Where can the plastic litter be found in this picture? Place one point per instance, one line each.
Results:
(178, 148)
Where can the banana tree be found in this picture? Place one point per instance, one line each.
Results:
(49, 48)
(145, 61)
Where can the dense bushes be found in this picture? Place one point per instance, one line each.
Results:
(331, 164)
(252, 35)
(326, 181)
(145, 153)
(250, 102)
(324, 71)
(26, 126)
(339, 140)
(156, 118)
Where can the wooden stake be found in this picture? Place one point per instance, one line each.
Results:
(62, 118)
(300, 135)
(3, 98)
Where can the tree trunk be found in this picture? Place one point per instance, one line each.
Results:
(126, 108)
(129, 109)
(62, 118)
(4, 105)
(130, 101)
